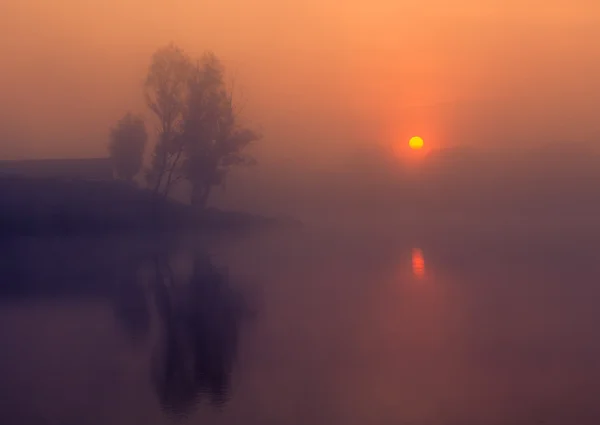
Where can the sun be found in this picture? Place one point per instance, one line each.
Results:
(415, 143)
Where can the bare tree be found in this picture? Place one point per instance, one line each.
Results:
(126, 146)
(165, 90)
(212, 136)
(200, 136)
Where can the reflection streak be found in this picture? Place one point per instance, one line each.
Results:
(418, 263)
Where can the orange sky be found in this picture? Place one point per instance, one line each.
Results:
(312, 73)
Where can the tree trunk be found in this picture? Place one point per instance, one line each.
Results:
(162, 149)
(205, 196)
(159, 177)
(199, 197)
(157, 184)
(170, 174)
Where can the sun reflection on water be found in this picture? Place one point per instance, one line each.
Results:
(418, 263)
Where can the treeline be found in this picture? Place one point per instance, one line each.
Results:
(199, 131)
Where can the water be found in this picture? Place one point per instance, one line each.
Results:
(445, 327)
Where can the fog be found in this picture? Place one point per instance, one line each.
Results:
(341, 278)
(324, 81)
(311, 72)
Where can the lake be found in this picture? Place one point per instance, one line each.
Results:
(452, 325)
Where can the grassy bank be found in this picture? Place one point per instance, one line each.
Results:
(52, 206)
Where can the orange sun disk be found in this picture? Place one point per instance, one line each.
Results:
(415, 143)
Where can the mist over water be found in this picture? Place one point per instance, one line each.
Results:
(323, 326)
(248, 238)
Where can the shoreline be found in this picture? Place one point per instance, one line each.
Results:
(36, 207)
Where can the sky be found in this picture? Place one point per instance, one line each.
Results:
(316, 77)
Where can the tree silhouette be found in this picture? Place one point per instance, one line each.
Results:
(126, 146)
(212, 137)
(200, 135)
(165, 91)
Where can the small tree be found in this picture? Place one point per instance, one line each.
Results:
(126, 146)
(212, 137)
(165, 90)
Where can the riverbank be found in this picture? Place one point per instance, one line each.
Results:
(53, 206)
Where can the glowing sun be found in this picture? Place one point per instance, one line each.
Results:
(415, 143)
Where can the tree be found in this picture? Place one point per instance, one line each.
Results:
(200, 136)
(212, 137)
(165, 90)
(126, 146)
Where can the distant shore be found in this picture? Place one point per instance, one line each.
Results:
(57, 206)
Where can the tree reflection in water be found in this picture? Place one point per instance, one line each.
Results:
(199, 317)
(201, 320)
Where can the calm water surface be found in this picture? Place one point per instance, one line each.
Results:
(302, 327)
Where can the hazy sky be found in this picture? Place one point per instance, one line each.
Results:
(313, 74)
